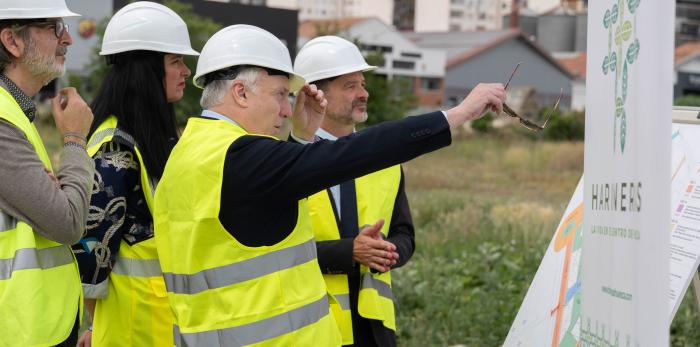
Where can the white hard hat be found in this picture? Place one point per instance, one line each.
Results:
(23, 9)
(146, 25)
(329, 56)
(246, 45)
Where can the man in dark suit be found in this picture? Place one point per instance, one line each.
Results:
(234, 199)
(354, 261)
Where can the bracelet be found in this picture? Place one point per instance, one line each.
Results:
(73, 144)
(90, 327)
(76, 135)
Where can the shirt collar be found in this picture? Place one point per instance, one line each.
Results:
(326, 135)
(215, 115)
(24, 102)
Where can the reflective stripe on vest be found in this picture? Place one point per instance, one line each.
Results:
(241, 271)
(259, 331)
(99, 136)
(33, 258)
(343, 300)
(136, 267)
(135, 311)
(222, 292)
(382, 288)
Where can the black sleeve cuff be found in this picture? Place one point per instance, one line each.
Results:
(335, 256)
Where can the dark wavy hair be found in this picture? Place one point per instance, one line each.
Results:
(134, 93)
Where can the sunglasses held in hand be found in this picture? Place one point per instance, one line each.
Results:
(524, 121)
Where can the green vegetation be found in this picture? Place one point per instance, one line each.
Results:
(689, 100)
(389, 99)
(483, 124)
(565, 126)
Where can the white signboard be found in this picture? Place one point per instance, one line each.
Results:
(550, 313)
(626, 202)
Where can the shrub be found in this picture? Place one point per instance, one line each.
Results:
(483, 124)
(688, 100)
(566, 126)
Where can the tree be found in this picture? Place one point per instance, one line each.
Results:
(200, 29)
(388, 100)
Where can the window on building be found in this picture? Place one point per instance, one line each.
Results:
(689, 29)
(402, 64)
(428, 83)
(455, 27)
(376, 48)
(411, 55)
(457, 2)
(456, 14)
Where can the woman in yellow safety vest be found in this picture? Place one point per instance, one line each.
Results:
(133, 133)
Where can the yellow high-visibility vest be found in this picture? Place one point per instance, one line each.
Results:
(222, 292)
(376, 195)
(40, 293)
(135, 311)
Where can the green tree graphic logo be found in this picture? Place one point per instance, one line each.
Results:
(624, 33)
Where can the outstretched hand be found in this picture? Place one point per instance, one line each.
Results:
(371, 250)
(309, 110)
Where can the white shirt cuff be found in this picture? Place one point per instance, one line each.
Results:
(299, 139)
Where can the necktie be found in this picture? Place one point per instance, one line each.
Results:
(348, 210)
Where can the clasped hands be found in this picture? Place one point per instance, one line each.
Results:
(371, 250)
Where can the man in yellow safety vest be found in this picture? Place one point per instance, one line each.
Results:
(41, 212)
(355, 265)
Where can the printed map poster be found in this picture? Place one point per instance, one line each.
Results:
(685, 211)
(550, 313)
(625, 262)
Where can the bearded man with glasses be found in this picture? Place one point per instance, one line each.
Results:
(41, 213)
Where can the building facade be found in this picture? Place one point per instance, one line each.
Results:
(336, 9)
(449, 15)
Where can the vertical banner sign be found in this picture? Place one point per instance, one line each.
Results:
(625, 262)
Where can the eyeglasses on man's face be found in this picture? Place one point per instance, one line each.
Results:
(524, 121)
(59, 27)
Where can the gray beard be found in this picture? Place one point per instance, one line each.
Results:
(43, 67)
